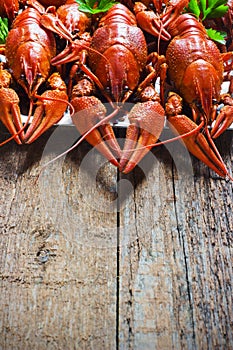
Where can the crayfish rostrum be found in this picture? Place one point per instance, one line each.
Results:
(109, 61)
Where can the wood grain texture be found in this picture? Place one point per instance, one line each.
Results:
(176, 274)
(91, 259)
(57, 290)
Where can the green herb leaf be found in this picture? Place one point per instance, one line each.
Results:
(105, 5)
(208, 9)
(194, 7)
(202, 4)
(219, 37)
(3, 30)
(216, 3)
(217, 12)
(100, 5)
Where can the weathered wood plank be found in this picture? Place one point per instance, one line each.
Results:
(58, 264)
(139, 264)
(176, 268)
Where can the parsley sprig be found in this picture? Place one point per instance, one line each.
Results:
(216, 35)
(93, 6)
(207, 9)
(3, 30)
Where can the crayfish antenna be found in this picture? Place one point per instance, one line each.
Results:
(11, 137)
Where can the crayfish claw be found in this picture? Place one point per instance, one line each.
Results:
(89, 118)
(197, 142)
(224, 118)
(52, 105)
(108, 135)
(53, 23)
(147, 122)
(196, 138)
(150, 22)
(9, 107)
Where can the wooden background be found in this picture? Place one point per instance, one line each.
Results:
(91, 259)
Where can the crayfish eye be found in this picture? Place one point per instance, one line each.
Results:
(75, 32)
(199, 107)
(22, 77)
(151, 6)
(163, 7)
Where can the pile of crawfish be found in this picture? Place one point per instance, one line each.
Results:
(58, 57)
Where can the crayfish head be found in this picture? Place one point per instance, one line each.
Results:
(34, 68)
(122, 72)
(118, 72)
(201, 87)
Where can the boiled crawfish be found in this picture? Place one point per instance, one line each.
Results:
(29, 49)
(196, 70)
(117, 57)
(115, 63)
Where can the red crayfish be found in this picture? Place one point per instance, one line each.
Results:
(29, 50)
(117, 58)
(116, 68)
(196, 70)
